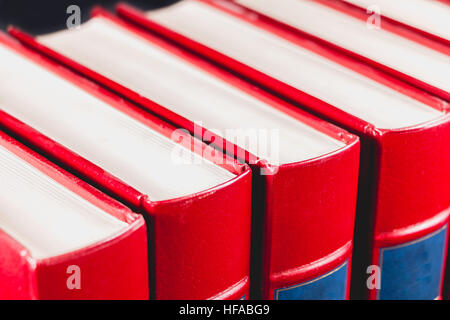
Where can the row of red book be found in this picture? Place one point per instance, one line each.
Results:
(228, 150)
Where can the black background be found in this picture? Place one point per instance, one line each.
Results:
(42, 16)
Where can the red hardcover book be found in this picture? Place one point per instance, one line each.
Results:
(403, 202)
(197, 212)
(303, 203)
(417, 19)
(60, 238)
(361, 37)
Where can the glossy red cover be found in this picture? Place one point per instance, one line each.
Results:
(202, 243)
(312, 204)
(115, 268)
(321, 215)
(404, 175)
(413, 181)
(199, 244)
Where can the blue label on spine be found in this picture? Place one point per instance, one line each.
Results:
(330, 286)
(413, 270)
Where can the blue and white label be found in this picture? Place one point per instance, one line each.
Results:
(330, 286)
(414, 270)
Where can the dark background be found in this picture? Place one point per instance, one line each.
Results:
(42, 16)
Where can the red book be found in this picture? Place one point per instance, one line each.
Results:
(403, 203)
(60, 238)
(421, 20)
(366, 38)
(303, 202)
(197, 209)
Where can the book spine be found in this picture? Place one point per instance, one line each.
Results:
(414, 269)
(17, 276)
(412, 208)
(310, 210)
(201, 243)
(108, 269)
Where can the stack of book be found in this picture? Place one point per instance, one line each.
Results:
(213, 149)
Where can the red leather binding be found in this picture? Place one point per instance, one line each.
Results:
(115, 268)
(307, 217)
(320, 218)
(404, 175)
(199, 244)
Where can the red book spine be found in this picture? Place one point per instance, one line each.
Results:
(114, 268)
(202, 243)
(412, 209)
(309, 225)
(17, 274)
(215, 265)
